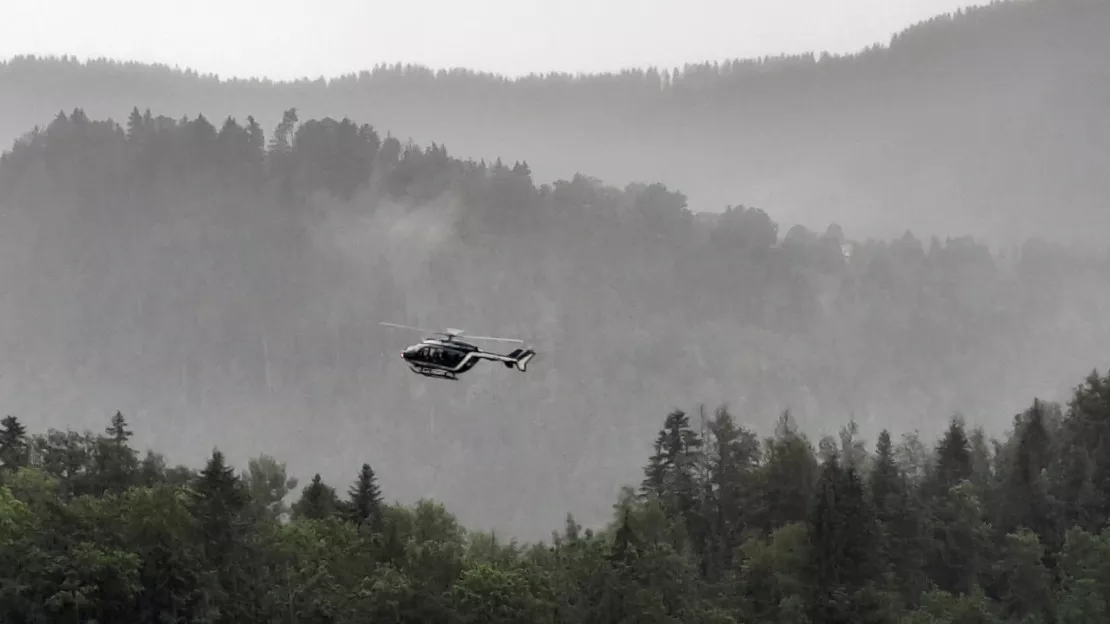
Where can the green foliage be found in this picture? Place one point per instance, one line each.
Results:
(365, 499)
(268, 484)
(87, 533)
(13, 444)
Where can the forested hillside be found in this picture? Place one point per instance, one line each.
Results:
(989, 123)
(224, 284)
(724, 527)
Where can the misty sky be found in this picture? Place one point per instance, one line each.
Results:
(294, 38)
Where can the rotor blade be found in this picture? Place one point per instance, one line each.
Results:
(469, 337)
(426, 331)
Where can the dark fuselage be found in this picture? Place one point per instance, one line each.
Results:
(449, 356)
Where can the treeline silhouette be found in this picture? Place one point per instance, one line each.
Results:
(230, 280)
(986, 122)
(724, 527)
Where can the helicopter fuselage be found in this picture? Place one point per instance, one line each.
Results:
(450, 358)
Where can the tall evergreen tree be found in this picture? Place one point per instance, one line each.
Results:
(1025, 490)
(1083, 468)
(953, 462)
(218, 500)
(733, 457)
(14, 451)
(117, 464)
(365, 499)
(844, 566)
(671, 474)
(900, 543)
(787, 477)
(318, 501)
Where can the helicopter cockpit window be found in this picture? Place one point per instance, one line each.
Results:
(451, 358)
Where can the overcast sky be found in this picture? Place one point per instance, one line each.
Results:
(294, 38)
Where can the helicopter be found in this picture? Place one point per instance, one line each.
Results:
(447, 357)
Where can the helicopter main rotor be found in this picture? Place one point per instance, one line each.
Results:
(451, 333)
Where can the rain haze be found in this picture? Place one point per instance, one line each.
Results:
(510, 37)
(758, 249)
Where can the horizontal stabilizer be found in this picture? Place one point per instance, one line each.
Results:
(523, 358)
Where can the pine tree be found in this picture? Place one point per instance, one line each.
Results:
(982, 474)
(787, 477)
(282, 139)
(1081, 474)
(256, 139)
(671, 472)
(953, 460)
(656, 470)
(624, 539)
(843, 563)
(116, 462)
(218, 502)
(118, 430)
(14, 451)
(318, 501)
(1024, 492)
(135, 124)
(884, 476)
(733, 458)
(900, 545)
(365, 499)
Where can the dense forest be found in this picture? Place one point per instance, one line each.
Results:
(724, 527)
(989, 122)
(223, 284)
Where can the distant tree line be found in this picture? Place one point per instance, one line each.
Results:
(905, 135)
(594, 251)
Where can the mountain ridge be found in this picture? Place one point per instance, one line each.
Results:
(986, 122)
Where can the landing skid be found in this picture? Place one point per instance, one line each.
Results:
(435, 373)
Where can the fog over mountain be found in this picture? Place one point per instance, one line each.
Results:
(220, 281)
(989, 123)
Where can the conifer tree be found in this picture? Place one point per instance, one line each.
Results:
(787, 477)
(256, 139)
(884, 476)
(218, 501)
(14, 450)
(365, 499)
(135, 124)
(318, 501)
(899, 545)
(671, 473)
(953, 460)
(733, 457)
(843, 563)
(117, 464)
(1025, 493)
(655, 471)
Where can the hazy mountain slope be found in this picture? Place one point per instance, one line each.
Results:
(990, 123)
(222, 293)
